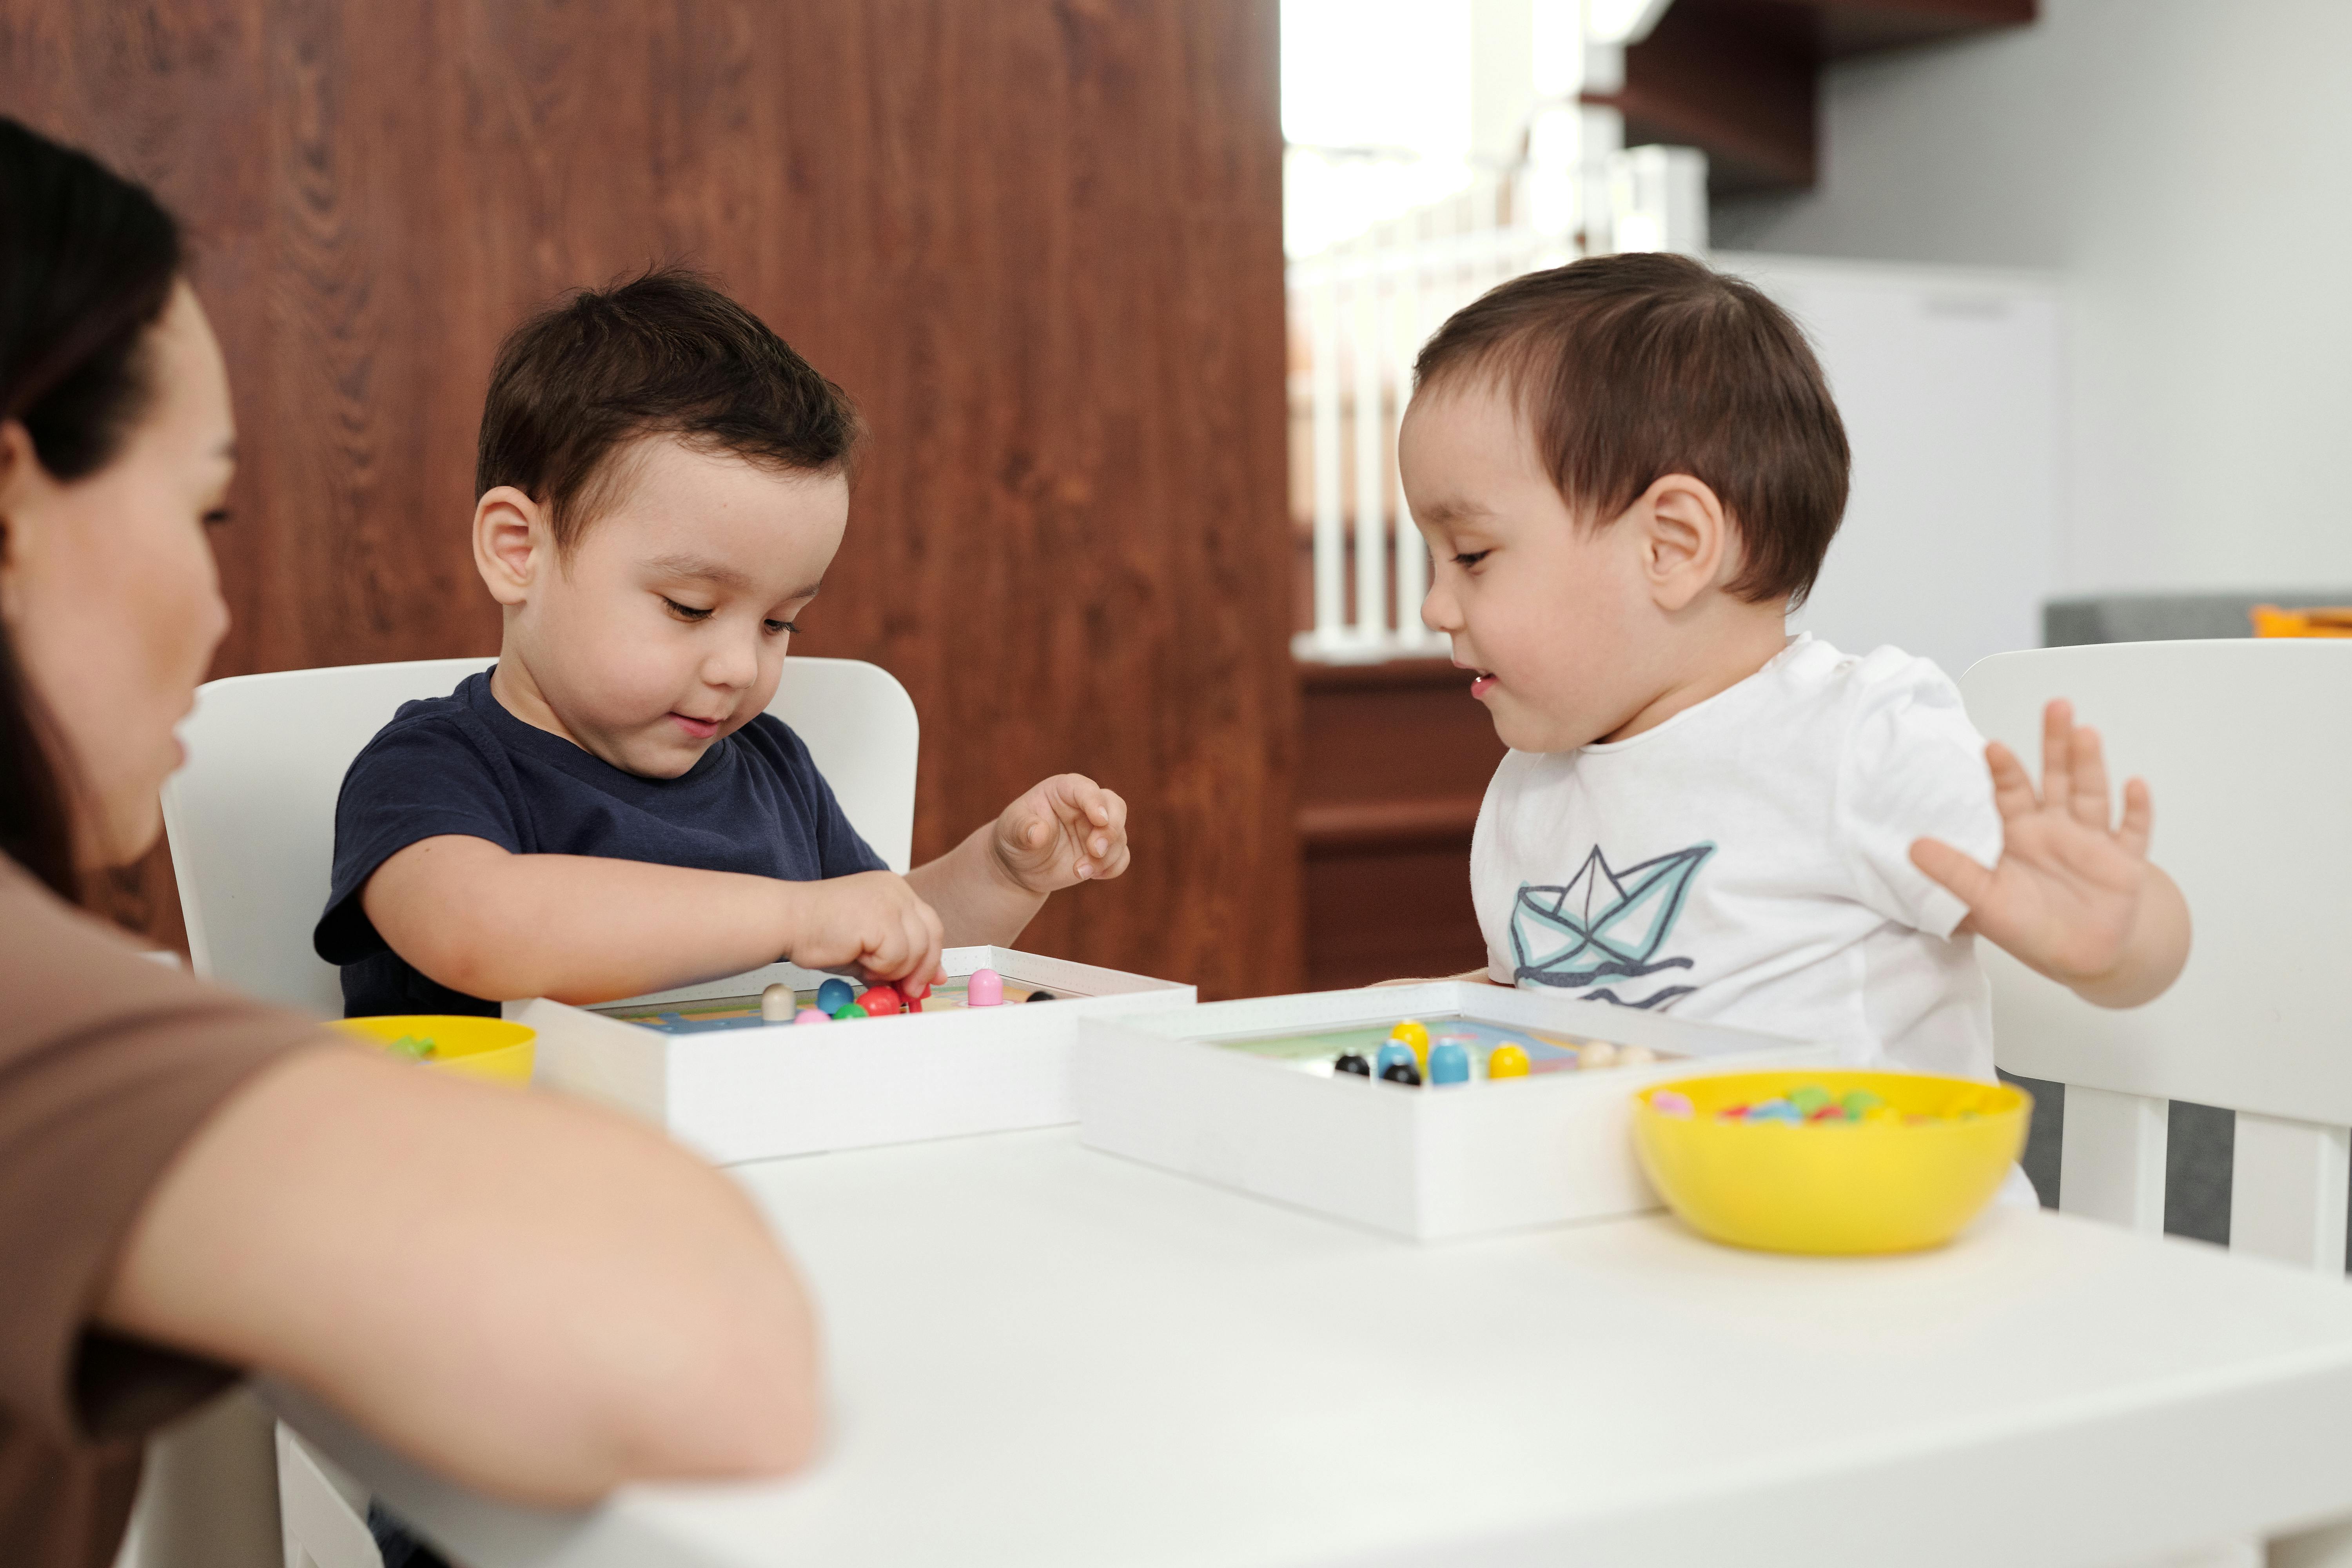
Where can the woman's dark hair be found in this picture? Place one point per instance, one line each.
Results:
(88, 260)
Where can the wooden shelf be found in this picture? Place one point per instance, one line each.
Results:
(1739, 79)
(1386, 823)
(1394, 763)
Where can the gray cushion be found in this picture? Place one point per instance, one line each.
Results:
(2167, 618)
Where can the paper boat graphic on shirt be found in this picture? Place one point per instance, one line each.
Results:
(1604, 925)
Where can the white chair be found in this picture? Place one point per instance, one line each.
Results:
(322, 1512)
(252, 816)
(2247, 745)
(251, 821)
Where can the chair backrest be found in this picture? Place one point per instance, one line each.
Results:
(2247, 747)
(252, 816)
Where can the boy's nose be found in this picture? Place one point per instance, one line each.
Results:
(732, 664)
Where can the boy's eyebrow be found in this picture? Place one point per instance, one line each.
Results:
(1449, 510)
(703, 569)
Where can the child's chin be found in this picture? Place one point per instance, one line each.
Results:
(1523, 732)
(664, 759)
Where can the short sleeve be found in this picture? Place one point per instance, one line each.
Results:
(417, 780)
(108, 1065)
(840, 849)
(1913, 768)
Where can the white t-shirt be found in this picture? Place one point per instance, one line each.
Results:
(1748, 862)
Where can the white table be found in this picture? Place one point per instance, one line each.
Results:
(1046, 1356)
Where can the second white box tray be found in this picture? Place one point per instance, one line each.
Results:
(1424, 1162)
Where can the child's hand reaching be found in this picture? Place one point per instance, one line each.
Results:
(873, 923)
(2074, 896)
(1067, 830)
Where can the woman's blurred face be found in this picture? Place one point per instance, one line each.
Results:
(107, 586)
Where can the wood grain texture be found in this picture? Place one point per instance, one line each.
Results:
(1039, 242)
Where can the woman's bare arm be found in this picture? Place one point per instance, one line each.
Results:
(534, 1296)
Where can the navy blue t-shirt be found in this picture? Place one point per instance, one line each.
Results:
(462, 763)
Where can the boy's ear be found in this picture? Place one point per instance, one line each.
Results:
(1686, 538)
(512, 543)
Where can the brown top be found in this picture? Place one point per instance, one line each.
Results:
(109, 1063)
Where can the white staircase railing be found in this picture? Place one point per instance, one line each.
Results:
(1361, 308)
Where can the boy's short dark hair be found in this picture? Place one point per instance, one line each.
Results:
(1628, 368)
(662, 354)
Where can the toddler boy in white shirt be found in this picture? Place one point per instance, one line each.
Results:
(1628, 471)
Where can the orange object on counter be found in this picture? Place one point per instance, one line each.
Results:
(2270, 621)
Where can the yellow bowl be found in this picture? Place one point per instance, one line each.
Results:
(489, 1049)
(1836, 1187)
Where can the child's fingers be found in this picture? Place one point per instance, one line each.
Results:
(2090, 772)
(1068, 795)
(929, 934)
(904, 947)
(2012, 786)
(1109, 835)
(1094, 802)
(922, 941)
(1968, 881)
(2057, 751)
(2139, 818)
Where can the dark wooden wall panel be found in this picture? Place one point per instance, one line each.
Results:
(1040, 242)
(1394, 761)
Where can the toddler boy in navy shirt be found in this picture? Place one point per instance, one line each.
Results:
(663, 482)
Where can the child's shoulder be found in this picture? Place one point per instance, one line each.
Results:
(774, 742)
(439, 727)
(1871, 709)
(771, 748)
(1814, 673)
(1881, 713)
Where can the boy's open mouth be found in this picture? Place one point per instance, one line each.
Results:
(1482, 682)
(700, 729)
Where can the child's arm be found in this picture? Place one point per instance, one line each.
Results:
(584, 928)
(1478, 976)
(2073, 898)
(1069, 829)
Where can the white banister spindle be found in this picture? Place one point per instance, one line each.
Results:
(2287, 1188)
(1371, 454)
(1363, 306)
(2111, 1165)
(1331, 586)
(1412, 556)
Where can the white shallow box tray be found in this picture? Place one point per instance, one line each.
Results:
(757, 1093)
(1430, 1163)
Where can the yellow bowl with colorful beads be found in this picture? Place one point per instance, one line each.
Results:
(1918, 1159)
(489, 1049)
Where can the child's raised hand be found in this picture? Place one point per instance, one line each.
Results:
(873, 922)
(2072, 894)
(1068, 829)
